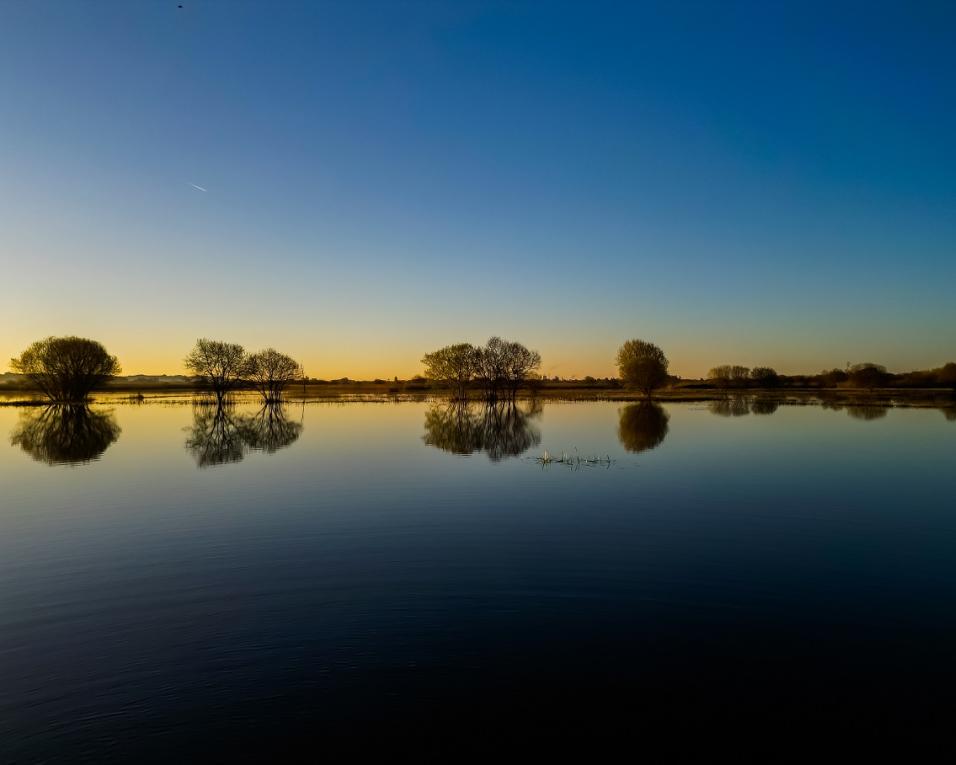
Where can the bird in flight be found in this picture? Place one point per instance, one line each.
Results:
(198, 188)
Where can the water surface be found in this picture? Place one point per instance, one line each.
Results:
(180, 580)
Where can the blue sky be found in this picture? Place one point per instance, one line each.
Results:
(755, 183)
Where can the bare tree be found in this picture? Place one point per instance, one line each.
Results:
(491, 366)
(453, 365)
(271, 372)
(642, 365)
(727, 374)
(720, 375)
(220, 365)
(520, 363)
(66, 369)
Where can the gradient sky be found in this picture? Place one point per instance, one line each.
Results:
(756, 183)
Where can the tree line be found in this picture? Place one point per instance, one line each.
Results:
(865, 375)
(224, 367)
(499, 369)
(68, 369)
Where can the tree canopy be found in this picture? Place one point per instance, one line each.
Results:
(220, 365)
(501, 367)
(453, 365)
(66, 369)
(642, 365)
(271, 372)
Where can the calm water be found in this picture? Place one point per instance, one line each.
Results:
(176, 580)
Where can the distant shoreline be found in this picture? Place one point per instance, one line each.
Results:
(122, 391)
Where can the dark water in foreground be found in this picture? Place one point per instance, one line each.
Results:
(178, 582)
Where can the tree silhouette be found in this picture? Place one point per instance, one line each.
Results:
(453, 365)
(66, 369)
(869, 375)
(642, 365)
(947, 375)
(766, 377)
(271, 372)
(219, 365)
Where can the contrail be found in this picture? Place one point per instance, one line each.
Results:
(198, 188)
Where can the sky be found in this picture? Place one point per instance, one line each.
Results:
(359, 183)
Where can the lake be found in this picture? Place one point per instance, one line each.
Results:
(179, 580)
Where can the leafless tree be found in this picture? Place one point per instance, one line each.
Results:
(66, 369)
(271, 372)
(453, 365)
(729, 374)
(520, 364)
(220, 365)
(491, 366)
(643, 365)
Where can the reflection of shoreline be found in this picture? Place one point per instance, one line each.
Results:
(220, 436)
(63, 434)
(741, 405)
(859, 410)
(642, 427)
(500, 430)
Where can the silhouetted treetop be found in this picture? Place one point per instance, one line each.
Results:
(500, 367)
(947, 375)
(271, 372)
(66, 369)
(642, 365)
(220, 365)
(765, 376)
(868, 375)
(453, 365)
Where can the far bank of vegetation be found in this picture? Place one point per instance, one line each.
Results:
(67, 370)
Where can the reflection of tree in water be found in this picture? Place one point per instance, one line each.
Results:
(500, 430)
(731, 406)
(65, 434)
(642, 426)
(762, 405)
(220, 435)
(949, 413)
(866, 411)
(269, 429)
